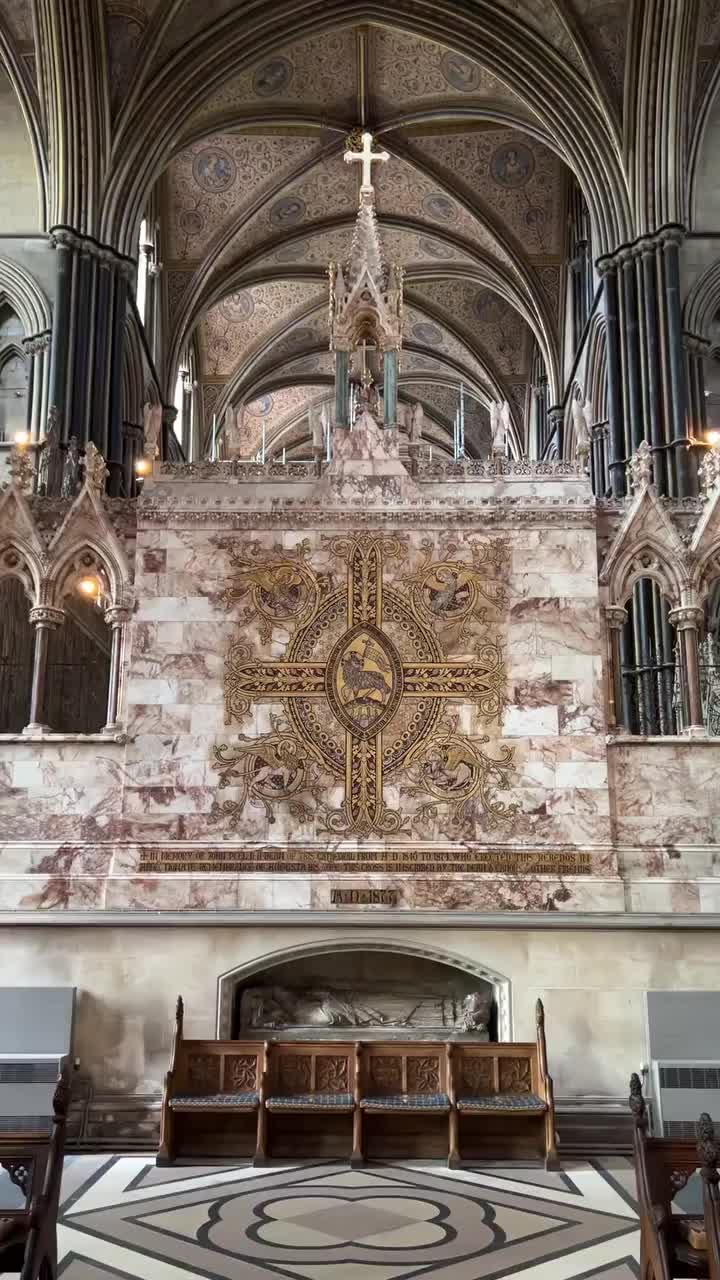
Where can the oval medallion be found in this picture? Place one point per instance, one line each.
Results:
(364, 680)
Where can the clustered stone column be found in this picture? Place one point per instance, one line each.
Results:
(115, 617)
(646, 362)
(687, 620)
(37, 348)
(87, 346)
(45, 619)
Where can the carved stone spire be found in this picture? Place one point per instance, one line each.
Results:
(366, 292)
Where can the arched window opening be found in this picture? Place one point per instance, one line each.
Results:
(14, 376)
(539, 405)
(710, 663)
(580, 263)
(144, 259)
(79, 655)
(650, 677)
(17, 641)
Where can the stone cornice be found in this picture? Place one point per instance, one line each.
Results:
(429, 918)
(245, 514)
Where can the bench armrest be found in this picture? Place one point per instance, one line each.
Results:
(357, 1090)
(450, 1048)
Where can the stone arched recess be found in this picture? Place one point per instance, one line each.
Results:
(228, 981)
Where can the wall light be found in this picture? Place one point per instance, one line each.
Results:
(22, 437)
(89, 587)
(713, 437)
(143, 467)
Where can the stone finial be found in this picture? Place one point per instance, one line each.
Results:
(582, 417)
(96, 472)
(709, 472)
(499, 420)
(640, 468)
(71, 469)
(21, 467)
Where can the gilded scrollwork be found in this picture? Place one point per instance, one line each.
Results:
(281, 587)
(366, 681)
(267, 770)
(457, 775)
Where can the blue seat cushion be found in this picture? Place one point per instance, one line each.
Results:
(310, 1102)
(241, 1101)
(502, 1102)
(407, 1102)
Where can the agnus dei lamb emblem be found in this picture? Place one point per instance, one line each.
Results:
(365, 685)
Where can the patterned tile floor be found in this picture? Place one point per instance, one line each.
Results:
(123, 1219)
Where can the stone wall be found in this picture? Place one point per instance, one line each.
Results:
(592, 983)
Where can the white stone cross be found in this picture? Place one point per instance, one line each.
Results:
(367, 157)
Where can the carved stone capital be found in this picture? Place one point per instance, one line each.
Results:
(672, 235)
(615, 616)
(688, 617)
(604, 266)
(116, 615)
(37, 342)
(44, 615)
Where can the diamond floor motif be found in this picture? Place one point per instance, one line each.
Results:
(122, 1219)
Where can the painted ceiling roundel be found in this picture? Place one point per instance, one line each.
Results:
(214, 170)
(482, 201)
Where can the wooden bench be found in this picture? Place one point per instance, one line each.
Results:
(33, 1165)
(213, 1100)
(383, 1100)
(503, 1103)
(675, 1244)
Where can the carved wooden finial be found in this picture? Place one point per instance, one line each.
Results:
(636, 1100)
(539, 1013)
(179, 1011)
(708, 1150)
(61, 1097)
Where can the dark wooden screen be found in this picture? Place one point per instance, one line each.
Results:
(16, 656)
(78, 670)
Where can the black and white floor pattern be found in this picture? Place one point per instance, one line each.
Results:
(123, 1219)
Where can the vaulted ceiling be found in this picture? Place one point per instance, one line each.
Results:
(255, 198)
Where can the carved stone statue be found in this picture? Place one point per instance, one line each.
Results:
(498, 427)
(316, 429)
(475, 1011)
(152, 428)
(50, 462)
(325, 422)
(640, 468)
(96, 472)
(709, 470)
(418, 422)
(71, 469)
(280, 1008)
(582, 417)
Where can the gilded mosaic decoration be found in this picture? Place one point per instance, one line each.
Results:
(366, 683)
